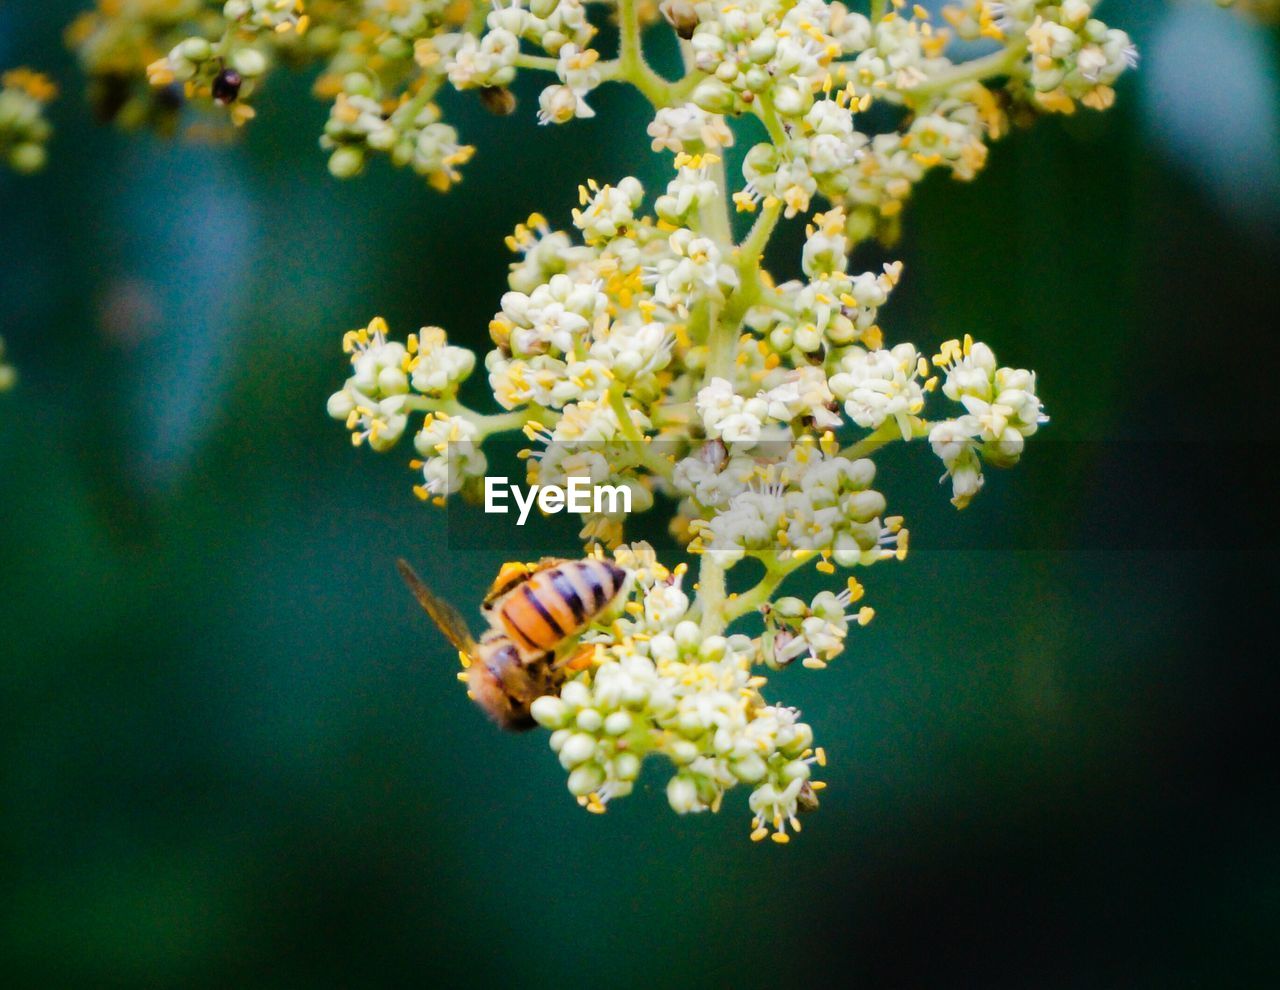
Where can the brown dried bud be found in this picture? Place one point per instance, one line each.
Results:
(498, 100)
(681, 15)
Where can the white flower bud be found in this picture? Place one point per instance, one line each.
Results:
(579, 748)
(682, 795)
(249, 62)
(687, 635)
(586, 779)
(576, 695)
(626, 766)
(750, 769)
(550, 711)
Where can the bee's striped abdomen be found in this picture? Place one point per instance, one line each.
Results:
(603, 579)
(559, 602)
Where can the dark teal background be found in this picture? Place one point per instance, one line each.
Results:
(233, 751)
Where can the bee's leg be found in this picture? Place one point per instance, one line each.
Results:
(579, 660)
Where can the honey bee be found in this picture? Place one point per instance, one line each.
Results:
(534, 613)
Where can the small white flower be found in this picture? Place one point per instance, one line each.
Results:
(877, 386)
(439, 367)
(689, 128)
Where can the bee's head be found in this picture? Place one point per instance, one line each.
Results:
(511, 574)
(487, 685)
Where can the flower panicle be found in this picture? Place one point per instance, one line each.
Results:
(646, 345)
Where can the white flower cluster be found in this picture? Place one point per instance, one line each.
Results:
(594, 337)
(549, 24)
(778, 51)
(740, 420)
(605, 354)
(450, 455)
(412, 134)
(807, 68)
(816, 631)
(833, 309)
(588, 442)
(659, 686)
(390, 380)
(690, 129)
(580, 318)
(877, 386)
(579, 74)
(373, 400)
(1001, 411)
(1074, 56)
(785, 510)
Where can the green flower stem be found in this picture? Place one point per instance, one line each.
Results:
(425, 94)
(545, 63)
(222, 47)
(776, 300)
(700, 322)
(998, 63)
(487, 424)
(776, 572)
(718, 222)
(631, 64)
(656, 463)
(752, 247)
(752, 287)
(476, 20)
(769, 117)
(883, 435)
(626, 425)
(720, 344)
(645, 454)
(678, 92)
(673, 414)
(710, 600)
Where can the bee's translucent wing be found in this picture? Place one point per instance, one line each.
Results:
(444, 615)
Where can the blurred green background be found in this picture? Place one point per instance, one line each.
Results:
(231, 748)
